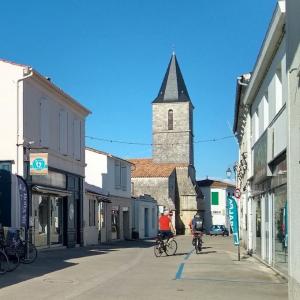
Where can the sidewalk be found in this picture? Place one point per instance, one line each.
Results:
(219, 275)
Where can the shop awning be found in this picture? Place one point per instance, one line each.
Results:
(99, 197)
(51, 191)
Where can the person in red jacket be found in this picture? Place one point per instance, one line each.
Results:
(166, 228)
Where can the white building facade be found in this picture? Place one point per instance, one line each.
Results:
(109, 215)
(37, 116)
(261, 129)
(215, 194)
(293, 112)
(145, 216)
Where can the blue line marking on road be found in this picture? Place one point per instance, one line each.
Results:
(179, 272)
(188, 255)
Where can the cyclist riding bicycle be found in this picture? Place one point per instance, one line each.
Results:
(196, 225)
(166, 228)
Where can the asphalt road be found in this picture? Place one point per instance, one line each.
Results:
(129, 270)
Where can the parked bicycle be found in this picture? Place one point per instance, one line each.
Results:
(168, 246)
(8, 247)
(16, 249)
(197, 241)
(26, 250)
(4, 263)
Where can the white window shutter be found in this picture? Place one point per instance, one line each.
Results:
(117, 174)
(124, 177)
(63, 132)
(70, 134)
(44, 123)
(77, 139)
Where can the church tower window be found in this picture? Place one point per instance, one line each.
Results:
(170, 119)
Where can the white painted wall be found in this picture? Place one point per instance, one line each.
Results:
(100, 171)
(47, 117)
(293, 168)
(90, 233)
(96, 166)
(269, 80)
(140, 204)
(9, 74)
(276, 100)
(215, 214)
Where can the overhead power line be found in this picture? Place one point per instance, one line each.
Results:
(150, 144)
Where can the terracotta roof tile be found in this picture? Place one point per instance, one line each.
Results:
(214, 183)
(145, 167)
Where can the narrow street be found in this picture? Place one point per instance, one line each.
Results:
(129, 270)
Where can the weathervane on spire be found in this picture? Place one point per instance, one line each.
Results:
(173, 49)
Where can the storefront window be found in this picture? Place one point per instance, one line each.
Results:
(280, 229)
(258, 227)
(47, 214)
(5, 165)
(101, 215)
(115, 224)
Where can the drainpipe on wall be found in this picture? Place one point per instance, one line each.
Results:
(28, 71)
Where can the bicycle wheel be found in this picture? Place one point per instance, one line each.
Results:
(4, 264)
(14, 262)
(30, 255)
(158, 251)
(198, 245)
(171, 247)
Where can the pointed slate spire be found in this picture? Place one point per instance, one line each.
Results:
(173, 88)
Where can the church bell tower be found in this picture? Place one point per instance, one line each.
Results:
(172, 119)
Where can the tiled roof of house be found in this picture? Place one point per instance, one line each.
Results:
(145, 167)
(215, 183)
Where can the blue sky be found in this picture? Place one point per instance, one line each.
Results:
(112, 55)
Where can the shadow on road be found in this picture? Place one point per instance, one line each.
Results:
(207, 252)
(57, 259)
(180, 253)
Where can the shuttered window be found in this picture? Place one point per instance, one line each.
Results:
(117, 175)
(215, 198)
(77, 139)
(70, 134)
(170, 119)
(63, 132)
(44, 123)
(124, 177)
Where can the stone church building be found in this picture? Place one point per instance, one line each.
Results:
(169, 176)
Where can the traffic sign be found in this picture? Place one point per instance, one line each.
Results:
(237, 193)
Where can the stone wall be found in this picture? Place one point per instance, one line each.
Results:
(188, 198)
(176, 145)
(162, 189)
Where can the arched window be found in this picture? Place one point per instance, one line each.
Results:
(170, 119)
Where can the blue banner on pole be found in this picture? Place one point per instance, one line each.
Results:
(24, 204)
(233, 218)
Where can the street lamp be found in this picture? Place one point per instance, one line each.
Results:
(228, 173)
